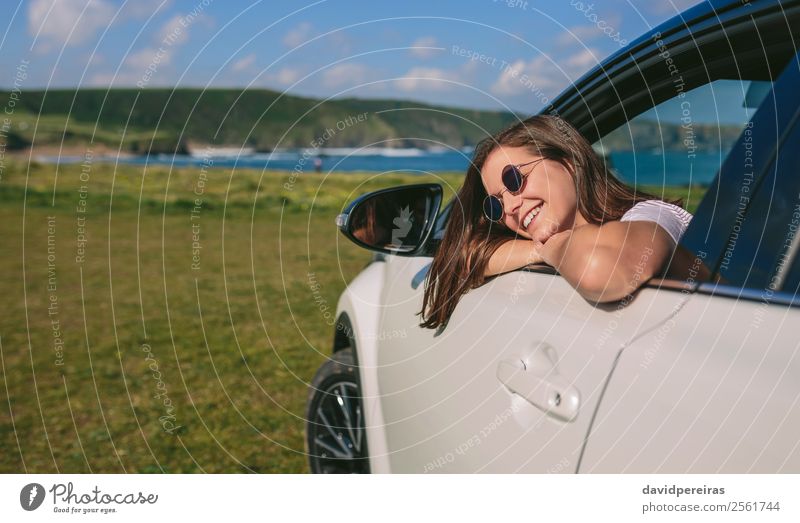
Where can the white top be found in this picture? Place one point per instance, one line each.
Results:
(670, 217)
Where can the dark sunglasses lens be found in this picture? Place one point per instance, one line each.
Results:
(512, 178)
(493, 208)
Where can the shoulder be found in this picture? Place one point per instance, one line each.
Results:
(674, 219)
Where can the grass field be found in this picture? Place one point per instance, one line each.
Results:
(146, 331)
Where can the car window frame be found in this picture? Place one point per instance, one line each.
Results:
(711, 41)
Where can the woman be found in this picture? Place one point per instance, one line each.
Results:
(538, 193)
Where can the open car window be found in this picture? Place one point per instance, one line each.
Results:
(683, 141)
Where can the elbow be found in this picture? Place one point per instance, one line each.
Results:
(597, 289)
(604, 280)
(604, 295)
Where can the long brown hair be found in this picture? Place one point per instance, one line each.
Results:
(470, 238)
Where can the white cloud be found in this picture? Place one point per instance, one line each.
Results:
(582, 61)
(670, 7)
(243, 64)
(142, 58)
(149, 64)
(421, 47)
(345, 75)
(341, 43)
(427, 78)
(144, 65)
(144, 8)
(298, 35)
(107, 79)
(173, 31)
(53, 21)
(95, 59)
(512, 79)
(544, 75)
(577, 35)
(284, 77)
(101, 79)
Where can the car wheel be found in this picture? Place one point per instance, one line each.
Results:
(336, 441)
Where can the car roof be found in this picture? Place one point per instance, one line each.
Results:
(712, 40)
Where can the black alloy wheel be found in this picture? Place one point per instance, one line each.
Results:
(336, 441)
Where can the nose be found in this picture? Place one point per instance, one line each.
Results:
(511, 203)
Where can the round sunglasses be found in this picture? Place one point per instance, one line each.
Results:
(513, 179)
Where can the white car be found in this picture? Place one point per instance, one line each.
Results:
(699, 371)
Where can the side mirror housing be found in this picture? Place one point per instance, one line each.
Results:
(398, 220)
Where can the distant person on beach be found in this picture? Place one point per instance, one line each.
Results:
(318, 164)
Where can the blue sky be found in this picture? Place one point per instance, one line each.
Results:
(488, 54)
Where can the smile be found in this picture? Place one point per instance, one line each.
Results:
(531, 215)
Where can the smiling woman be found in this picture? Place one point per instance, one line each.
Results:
(538, 193)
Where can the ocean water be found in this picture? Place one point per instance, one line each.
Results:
(643, 167)
(411, 160)
(669, 168)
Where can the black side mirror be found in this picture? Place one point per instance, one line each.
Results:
(393, 221)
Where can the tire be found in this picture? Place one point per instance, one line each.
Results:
(336, 442)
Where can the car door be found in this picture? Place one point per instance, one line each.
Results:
(716, 389)
(511, 383)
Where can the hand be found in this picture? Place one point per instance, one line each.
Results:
(533, 252)
(552, 250)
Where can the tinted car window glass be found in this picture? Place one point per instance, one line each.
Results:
(755, 254)
(791, 284)
(784, 272)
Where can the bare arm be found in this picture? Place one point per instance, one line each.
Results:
(513, 255)
(609, 261)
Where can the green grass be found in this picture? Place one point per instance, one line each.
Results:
(235, 341)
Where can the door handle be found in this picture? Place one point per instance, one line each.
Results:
(536, 379)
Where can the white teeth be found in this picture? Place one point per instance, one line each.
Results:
(529, 218)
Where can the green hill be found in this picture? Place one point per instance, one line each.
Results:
(166, 120)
